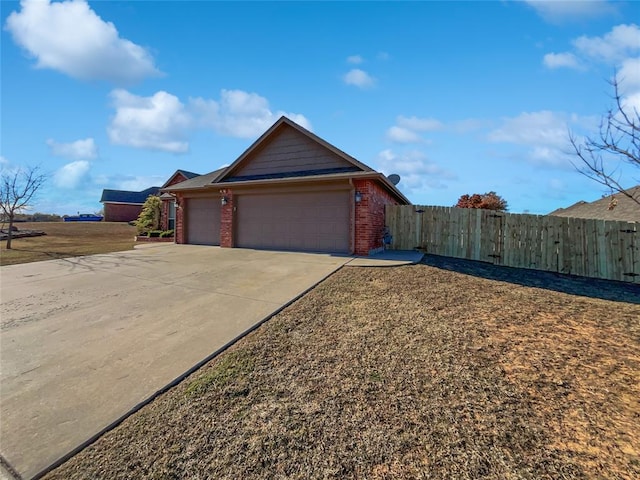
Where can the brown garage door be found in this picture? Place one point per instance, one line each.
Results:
(312, 222)
(203, 221)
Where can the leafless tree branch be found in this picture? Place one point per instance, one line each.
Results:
(17, 189)
(618, 141)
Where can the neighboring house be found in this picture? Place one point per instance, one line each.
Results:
(290, 190)
(123, 205)
(613, 207)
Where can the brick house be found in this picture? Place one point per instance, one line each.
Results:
(290, 190)
(124, 205)
(168, 213)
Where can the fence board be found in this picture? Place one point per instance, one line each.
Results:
(592, 248)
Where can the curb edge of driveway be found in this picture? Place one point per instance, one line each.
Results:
(174, 382)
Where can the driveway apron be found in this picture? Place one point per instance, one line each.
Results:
(84, 340)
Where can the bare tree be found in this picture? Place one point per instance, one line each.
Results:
(17, 188)
(617, 142)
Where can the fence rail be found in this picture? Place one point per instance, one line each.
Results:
(590, 248)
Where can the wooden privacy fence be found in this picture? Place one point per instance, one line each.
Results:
(577, 246)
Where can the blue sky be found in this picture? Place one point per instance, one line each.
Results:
(456, 97)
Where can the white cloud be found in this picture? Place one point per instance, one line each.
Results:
(70, 37)
(544, 134)
(355, 59)
(79, 150)
(3, 160)
(240, 114)
(407, 129)
(403, 135)
(415, 170)
(163, 122)
(560, 60)
(419, 124)
(358, 78)
(628, 76)
(383, 56)
(72, 174)
(613, 47)
(159, 122)
(570, 10)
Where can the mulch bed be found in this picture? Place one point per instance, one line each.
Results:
(410, 372)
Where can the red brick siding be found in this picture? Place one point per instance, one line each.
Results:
(164, 215)
(226, 220)
(369, 216)
(177, 179)
(121, 212)
(179, 232)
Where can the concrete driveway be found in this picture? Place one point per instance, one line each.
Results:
(84, 340)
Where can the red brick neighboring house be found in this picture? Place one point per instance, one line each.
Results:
(290, 190)
(124, 205)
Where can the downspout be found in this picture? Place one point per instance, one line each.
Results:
(352, 203)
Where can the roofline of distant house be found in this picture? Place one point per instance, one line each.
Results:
(122, 203)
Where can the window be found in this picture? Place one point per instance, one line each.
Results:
(172, 216)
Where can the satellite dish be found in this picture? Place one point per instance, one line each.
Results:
(394, 178)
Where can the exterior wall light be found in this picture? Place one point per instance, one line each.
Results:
(223, 201)
(358, 197)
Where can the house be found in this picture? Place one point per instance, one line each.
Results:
(290, 190)
(168, 213)
(123, 205)
(612, 207)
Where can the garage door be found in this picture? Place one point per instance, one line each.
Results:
(312, 222)
(203, 221)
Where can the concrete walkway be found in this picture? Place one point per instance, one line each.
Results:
(85, 340)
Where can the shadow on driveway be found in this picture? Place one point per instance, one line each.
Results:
(571, 284)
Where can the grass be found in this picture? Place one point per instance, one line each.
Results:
(67, 239)
(399, 373)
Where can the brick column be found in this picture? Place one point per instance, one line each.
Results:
(179, 230)
(226, 220)
(369, 221)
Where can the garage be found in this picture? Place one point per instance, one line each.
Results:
(309, 221)
(203, 221)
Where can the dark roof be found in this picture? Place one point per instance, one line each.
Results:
(223, 176)
(196, 182)
(612, 207)
(125, 196)
(184, 173)
(283, 122)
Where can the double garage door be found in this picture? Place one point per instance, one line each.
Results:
(313, 222)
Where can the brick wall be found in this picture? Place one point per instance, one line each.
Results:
(121, 212)
(369, 216)
(179, 232)
(226, 220)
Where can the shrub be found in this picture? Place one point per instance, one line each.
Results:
(166, 233)
(149, 218)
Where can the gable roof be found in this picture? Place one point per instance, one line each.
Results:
(284, 122)
(186, 174)
(126, 196)
(612, 207)
(200, 181)
(223, 177)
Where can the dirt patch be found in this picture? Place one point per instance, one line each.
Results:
(406, 372)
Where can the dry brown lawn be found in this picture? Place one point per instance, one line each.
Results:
(67, 239)
(399, 373)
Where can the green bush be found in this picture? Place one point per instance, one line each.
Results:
(166, 233)
(149, 218)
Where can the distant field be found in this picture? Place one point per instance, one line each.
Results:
(67, 239)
